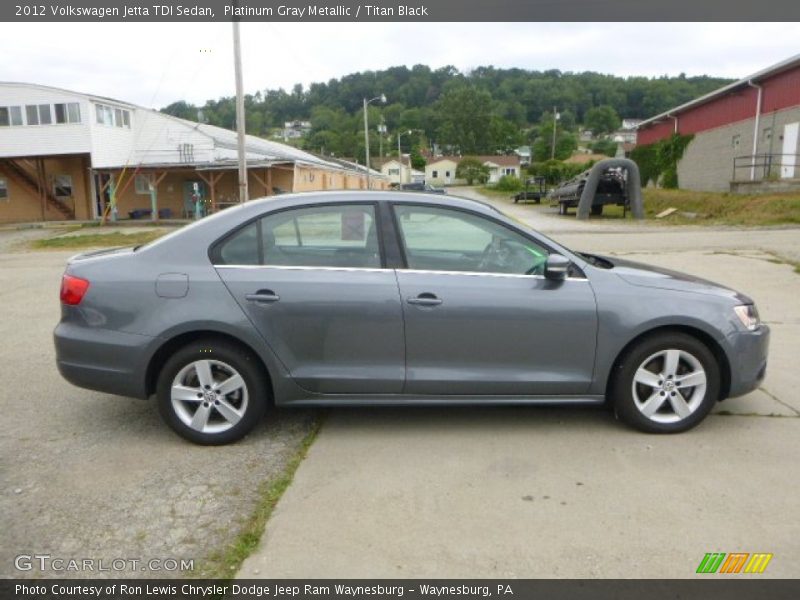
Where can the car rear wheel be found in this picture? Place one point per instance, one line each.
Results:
(666, 384)
(211, 392)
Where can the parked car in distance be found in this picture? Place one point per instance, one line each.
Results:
(421, 187)
(384, 298)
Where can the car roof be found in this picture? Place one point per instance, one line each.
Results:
(326, 197)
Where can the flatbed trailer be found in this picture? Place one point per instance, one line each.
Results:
(535, 190)
(610, 190)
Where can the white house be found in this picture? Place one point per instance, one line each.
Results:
(524, 153)
(66, 155)
(442, 170)
(296, 129)
(500, 166)
(631, 123)
(397, 171)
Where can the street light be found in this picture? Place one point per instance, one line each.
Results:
(382, 98)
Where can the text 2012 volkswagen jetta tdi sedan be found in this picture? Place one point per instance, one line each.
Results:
(372, 298)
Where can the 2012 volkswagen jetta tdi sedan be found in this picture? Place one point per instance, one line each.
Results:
(373, 298)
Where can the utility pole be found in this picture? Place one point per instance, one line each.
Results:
(240, 119)
(366, 141)
(382, 98)
(555, 125)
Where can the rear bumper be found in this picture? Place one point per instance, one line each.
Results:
(748, 359)
(100, 359)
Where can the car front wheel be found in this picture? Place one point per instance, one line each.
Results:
(666, 384)
(211, 392)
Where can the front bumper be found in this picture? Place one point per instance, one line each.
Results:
(101, 359)
(747, 354)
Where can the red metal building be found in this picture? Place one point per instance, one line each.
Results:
(744, 132)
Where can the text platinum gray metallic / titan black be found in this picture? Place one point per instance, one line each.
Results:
(380, 298)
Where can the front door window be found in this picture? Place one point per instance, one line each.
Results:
(437, 239)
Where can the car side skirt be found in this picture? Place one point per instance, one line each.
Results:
(405, 400)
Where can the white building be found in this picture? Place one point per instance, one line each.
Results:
(397, 171)
(442, 169)
(65, 154)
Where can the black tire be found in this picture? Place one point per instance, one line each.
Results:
(251, 398)
(597, 210)
(621, 390)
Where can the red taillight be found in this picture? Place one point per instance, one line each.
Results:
(73, 289)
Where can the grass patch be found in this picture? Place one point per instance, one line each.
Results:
(720, 208)
(225, 564)
(493, 193)
(105, 240)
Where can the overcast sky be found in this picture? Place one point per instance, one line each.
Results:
(154, 64)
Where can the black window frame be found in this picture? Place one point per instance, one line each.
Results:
(215, 250)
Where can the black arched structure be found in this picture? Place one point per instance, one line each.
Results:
(633, 186)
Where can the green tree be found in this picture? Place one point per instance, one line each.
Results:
(182, 110)
(472, 170)
(464, 114)
(417, 160)
(602, 119)
(566, 141)
(607, 147)
(505, 136)
(471, 110)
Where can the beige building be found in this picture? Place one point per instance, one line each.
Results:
(66, 155)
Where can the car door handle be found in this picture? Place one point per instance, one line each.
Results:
(265, 296)
(426, 299)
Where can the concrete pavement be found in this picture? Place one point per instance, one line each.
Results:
(531, 492)
(525, 492)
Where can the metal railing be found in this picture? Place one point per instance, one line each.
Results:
(765, 167)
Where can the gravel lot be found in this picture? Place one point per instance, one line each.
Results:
(87, 475)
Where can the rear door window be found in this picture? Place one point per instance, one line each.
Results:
(322, 236)
(344, 236)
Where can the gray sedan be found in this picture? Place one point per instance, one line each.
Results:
(374, 298)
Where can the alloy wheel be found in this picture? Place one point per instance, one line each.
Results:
(669, 386)
(209, 396)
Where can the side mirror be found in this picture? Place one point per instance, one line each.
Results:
(556, 267)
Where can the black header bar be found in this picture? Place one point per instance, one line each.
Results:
(410, 11)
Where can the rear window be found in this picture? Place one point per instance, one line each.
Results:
(242, 247)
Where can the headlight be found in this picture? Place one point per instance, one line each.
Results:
(748, 315)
